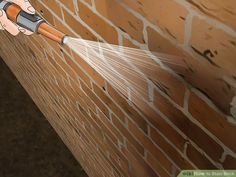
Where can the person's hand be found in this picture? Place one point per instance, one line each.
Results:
(6, 24)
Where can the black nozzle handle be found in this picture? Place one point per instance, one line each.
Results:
(30, 22)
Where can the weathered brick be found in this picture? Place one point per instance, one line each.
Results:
(198, 158)
(161, 13)
(128, 43)
(149, 146)
(214, 45)
(117, 14)
(103, 96)
(139, 166)
(77, 27)
(69, 4)
(230, 162)
(58, 68)
(171, 151)
(214, 122)
(98, 157)
(104, 29)
(89, 70)
(54, 6)
(44, 12)
(77, 70)
(108, 124)
(193, 71)
(158, 43)
(89, 2)
(127, 134)
(156, 166)
(220, 10)
(74, 107)
(164, 80)
(189, 128)
(118, 155)
(66, 30)
(123, 103)
(95, 99)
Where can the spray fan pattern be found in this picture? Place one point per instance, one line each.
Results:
(162, 114)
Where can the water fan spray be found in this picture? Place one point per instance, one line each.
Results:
(33, 23)
(111, 61)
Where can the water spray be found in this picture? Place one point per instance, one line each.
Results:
(33, 23)
(110, 61)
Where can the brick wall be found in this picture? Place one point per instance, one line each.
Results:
(185, 116)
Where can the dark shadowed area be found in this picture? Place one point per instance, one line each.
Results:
(29, 147)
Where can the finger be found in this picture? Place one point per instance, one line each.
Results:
(7, 24)
(1, 25)
(25, 31)
(25, 5)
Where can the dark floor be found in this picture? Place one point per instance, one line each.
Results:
(29, 147)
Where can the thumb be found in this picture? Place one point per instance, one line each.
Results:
(1, 25)
(25, 31)
(25, 5)
(5, 23)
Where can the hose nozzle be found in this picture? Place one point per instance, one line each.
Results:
(33, 23)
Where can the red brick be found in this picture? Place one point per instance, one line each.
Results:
(159, 123)
(213, 121)
(190, 129)
(161, 13)
(192, 71)
(199, 159)
(99, 157)
(89, 2)
(117, 14)
(163, 79)
(156, 165)
(54, 6)
(229, 163)
(213, 45)
(149, 146)
(123, 103)
(65, 67)
(53, 48)
(129, 44)
(127, 134)
(158, 43)
(171, 151)
(48, 74)
(44, 12)
(107, 122)
(77, 70)
(103, 96)
(35, 47)
(95, 99)
(80, 92)
(220, 10)
(54, 64)
(139, 166)
(77, 27)
(119, 156)
(119, 70)
(104, 29)
(89, 70)
(63, 28)
(69, 4)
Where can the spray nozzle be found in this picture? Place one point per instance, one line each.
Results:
(33, 23)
